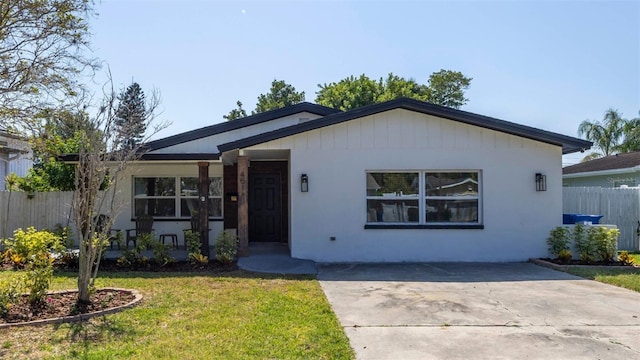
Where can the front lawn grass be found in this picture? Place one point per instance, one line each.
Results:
(236, 315)
(626, 278)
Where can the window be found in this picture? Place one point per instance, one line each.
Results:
(423, 197)
(157, 196)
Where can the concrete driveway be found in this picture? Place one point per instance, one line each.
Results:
(480, 311)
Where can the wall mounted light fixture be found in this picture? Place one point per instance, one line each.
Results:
(541, 182)
(304, 183)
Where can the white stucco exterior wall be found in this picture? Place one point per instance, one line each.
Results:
(516, 218)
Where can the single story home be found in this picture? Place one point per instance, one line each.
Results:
(398, 181)
(15, 155)
(608, 171)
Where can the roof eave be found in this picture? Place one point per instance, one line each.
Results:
(240, 123)
(602, 172)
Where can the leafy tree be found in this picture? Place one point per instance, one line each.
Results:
(236, 113)
(447, 88)
(349, 93)
(41, 58)
(395, 87)
(631, 136)
(98, 136)
(58, 136)
(606, 135)
(444, 87)
(280, 95)
(130, 117)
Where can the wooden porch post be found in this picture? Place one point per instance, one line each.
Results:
(243, 205)
(203, 208)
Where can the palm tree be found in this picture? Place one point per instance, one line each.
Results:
(631, 136)
(606, 135)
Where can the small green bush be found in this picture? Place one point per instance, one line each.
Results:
(64, 233)
(198, 260)
(31, 242)
(585, 244)
(161, 253)
(193, 247)
(69, 260)
(226, 247)
(606, 242)
(133, 256)
(565, 256)
(34, 248)
(559, 239)
(38, 277)
(193, 241)
(10, 291)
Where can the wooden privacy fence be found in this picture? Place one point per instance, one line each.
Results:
(43, 211)
(619, 206)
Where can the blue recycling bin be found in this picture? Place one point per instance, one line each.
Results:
(568, 219)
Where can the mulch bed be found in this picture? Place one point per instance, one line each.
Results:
(580, 262)
(61, 304)
(109, 265)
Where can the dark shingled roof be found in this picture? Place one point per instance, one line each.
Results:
(239, 123)
(611, 162)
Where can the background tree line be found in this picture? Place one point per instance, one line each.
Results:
(445, 87)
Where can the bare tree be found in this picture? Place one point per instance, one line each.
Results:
(100, 165)
(41, 56)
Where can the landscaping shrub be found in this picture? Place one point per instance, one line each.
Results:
(226, 247)
(32, 249)
(31, 242)
(565, 256)
(193, 247)
(10, 291)
(38, 277)
(606, 242)
(161, 252)
(625, 258)
(198, 260)
(585, 244)
(64, 233)
(68, 260)
(559, 239)
(133, 256)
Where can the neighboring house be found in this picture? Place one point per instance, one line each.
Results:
(15, 156)
(398, 181)
(609, 171)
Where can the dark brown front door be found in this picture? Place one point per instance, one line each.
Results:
(265, 207)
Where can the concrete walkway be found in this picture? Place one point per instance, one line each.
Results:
(275, 259)
(480, 311)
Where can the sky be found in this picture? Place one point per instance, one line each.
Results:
(546, 64)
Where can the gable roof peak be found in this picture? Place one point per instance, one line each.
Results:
(239, 123)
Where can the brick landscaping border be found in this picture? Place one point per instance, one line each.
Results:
(81, 317)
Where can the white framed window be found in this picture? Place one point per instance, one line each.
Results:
(424, 197)
(174, 197)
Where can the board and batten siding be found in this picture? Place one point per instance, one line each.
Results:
(516, 218)
(209, 144)
(631, 178)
